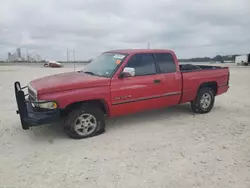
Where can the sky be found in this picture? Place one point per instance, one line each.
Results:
(192, 28)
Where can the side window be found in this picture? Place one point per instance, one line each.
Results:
(143, 64)
(165, 62)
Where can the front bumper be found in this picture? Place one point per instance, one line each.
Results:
(32, 116)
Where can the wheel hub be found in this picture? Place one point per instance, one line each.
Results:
(85, 124)
(206, 100)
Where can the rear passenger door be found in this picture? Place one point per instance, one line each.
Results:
(171, 78)
(139, 92)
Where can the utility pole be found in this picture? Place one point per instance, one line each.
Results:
(27, 53)
(67, 55)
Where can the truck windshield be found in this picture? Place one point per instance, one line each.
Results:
(104, 65)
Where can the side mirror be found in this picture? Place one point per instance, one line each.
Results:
(127, 72)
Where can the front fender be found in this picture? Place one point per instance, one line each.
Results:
(65, 98)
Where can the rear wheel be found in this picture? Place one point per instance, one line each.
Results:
(84, 122)
(204, 101)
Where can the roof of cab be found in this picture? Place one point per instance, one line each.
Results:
(133, 51)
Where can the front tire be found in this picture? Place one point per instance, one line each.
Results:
(84, 122)
(204, 101)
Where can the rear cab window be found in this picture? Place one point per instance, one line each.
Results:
(165, 62)
(143, 64)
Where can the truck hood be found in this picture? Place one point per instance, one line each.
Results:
(67, 81)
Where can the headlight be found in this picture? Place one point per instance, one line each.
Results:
(47, 105)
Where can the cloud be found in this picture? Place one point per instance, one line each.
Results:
(191, 27)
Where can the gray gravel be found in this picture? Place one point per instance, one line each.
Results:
(164, 148)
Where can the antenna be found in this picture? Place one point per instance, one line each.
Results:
(74, 60)
(148, 45)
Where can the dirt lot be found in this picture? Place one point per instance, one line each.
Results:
(166, 148)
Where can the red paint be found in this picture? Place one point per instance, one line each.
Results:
(141, 91)
(67, 81)
(193, 80)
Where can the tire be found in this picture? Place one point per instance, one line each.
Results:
(201, 103)
(76, 123)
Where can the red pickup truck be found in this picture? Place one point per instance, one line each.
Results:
(117, 83)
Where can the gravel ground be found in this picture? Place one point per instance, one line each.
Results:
(164, 148)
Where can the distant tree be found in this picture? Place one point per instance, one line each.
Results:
(217, 58)
(208, 59)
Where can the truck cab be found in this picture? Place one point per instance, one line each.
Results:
(116, 83)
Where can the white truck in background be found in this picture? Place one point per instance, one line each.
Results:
(243, 59)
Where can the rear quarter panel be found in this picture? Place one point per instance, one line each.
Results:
(193, 80)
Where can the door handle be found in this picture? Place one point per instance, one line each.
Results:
(157, 81)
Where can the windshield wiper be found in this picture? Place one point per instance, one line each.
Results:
(88, 72)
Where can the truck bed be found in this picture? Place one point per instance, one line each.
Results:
(191, 67)
(193, 76)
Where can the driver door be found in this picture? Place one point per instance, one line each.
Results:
(139, 92)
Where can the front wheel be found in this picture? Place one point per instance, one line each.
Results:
(204, 101)
(84, 122)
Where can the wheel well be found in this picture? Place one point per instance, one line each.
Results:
(97, 102)
(212, 85)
